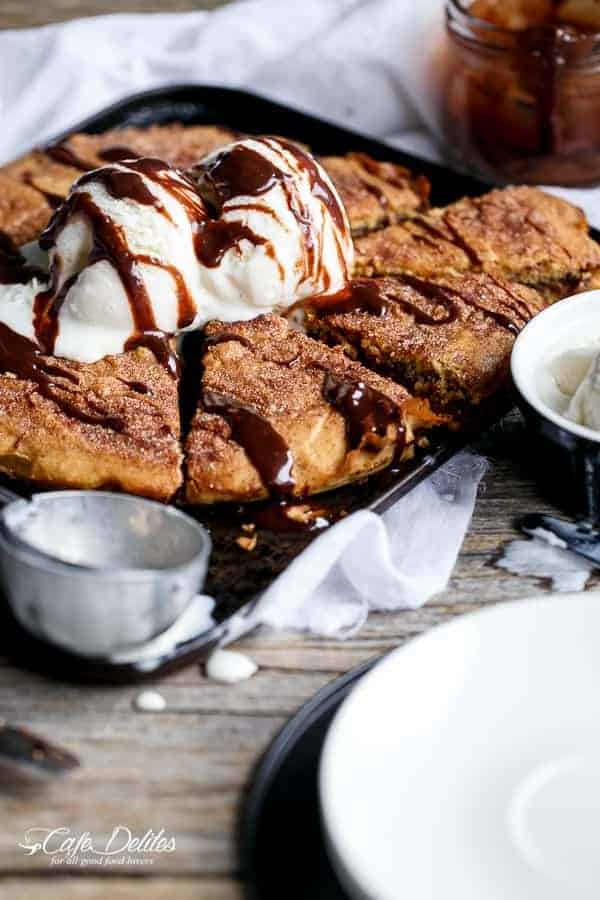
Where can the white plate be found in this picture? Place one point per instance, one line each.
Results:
(467, 764)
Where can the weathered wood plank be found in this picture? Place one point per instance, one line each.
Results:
(17, 14)
(184, 769)
(90, 888)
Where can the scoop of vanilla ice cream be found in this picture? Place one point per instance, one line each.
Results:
(584, 406)
(98, 313)
(298, 240)
(138, 246)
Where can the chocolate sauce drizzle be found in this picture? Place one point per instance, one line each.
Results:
(62, 152)
(214, 239)
(124, 184)
(13, 267)
(459, 241)
(514, 320)
(373, 297)
(368, 295)
(223, 337)
(117, 154)
(372, 167)
(319, 185)
(391, 173)
(21, 357)
(110, 244)
(265, 448)
(239, 172)
(161, 345)
(367, 412)
(46, 307)
(244, 172)
(174, 182)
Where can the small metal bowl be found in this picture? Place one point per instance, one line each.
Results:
(97, 573)
(567, 455)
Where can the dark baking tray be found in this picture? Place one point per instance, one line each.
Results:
(235, 575)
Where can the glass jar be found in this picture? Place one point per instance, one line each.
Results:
(521, 106)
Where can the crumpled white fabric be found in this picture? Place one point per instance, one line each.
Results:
(367, 64)
(363, 63)
(368, 562)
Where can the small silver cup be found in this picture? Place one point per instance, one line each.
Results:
(96, 573)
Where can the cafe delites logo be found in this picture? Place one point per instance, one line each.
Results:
(123, 847)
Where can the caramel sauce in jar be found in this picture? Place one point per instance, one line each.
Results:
(521, 99)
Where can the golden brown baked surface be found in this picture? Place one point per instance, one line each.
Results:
(24, 212)
(519, 233)
(281, 413)
(52, 179)
(449, 342)
(32, 185)
(180, 145)
(447, 289)
(111, 424)
(417, 247)
(376, 193)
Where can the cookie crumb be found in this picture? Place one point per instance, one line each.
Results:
(304, 513)
(246, 543)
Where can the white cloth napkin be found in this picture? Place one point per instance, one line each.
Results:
(363, 63)
(367, 562)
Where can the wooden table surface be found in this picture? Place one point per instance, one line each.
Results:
(184, 769)
(29, 13)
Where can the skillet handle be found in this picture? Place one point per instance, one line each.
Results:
(7, 496)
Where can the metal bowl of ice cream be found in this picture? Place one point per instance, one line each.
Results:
(97, 573)
(555, 367)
